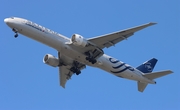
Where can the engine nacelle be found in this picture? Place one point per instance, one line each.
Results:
(51, 60)
(78, 40)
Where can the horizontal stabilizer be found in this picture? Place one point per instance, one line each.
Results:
(141, 86)
(155, 75)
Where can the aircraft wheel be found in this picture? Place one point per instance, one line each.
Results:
(87, 58)
(93, 61)
(78, 72)
(73, 69)
(16, 35)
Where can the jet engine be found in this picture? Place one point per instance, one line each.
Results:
(51, 60)
(78, 40)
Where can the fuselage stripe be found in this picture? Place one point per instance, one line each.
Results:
(116, 67)
(121, 70)
(110, 59)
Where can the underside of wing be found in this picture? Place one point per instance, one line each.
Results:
(141, 86)
(64, 75)
(67, 68)
(113, 38)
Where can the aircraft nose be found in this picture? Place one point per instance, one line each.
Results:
(6, 20)
(9, 21)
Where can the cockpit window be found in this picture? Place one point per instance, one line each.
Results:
(12, 17)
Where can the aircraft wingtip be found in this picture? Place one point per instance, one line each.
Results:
(152, 23)
(63, 86)
(171, 71)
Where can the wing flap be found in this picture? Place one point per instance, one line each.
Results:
(115, 41)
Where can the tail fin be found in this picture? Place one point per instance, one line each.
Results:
(148, 66)
(151, 76)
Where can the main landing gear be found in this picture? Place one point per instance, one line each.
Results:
(16, 32)
(90, 57)
(75, 68)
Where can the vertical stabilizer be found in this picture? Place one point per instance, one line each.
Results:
(148, 66)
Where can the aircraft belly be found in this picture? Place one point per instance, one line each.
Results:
(133, 76)
(75, 55)
(130, 75)
(45, 38)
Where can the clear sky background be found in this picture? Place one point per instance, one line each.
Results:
(28, 84)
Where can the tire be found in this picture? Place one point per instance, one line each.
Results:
(78, 72)
(16, 35)
(94, 61)
(87, 58)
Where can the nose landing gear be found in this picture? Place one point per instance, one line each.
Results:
(16, 32)
(16, 35)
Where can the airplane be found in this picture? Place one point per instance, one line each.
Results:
(75, 53)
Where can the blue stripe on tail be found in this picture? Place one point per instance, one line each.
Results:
(148, 66)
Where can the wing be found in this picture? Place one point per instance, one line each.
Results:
(113, 38)
(66, 68)
(64, 75)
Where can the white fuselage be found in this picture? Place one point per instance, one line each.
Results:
(58, 42)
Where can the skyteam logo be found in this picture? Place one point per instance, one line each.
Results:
(112, 60)
(121, 66)
(148, 66)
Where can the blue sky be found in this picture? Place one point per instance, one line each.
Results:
(28, 84)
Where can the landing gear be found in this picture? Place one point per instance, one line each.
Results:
(78, 72)
(16, 32)
(75, 68)
(90, 57)
(16, 35)
(92, 60)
